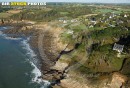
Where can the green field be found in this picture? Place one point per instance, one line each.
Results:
(108, 10)
(125, 10)
(64, 13)
(5, 15)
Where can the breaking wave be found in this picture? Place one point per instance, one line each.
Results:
(34, 61)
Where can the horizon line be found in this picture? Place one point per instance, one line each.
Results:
(74, 2)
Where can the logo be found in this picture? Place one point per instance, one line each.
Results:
(23, 3)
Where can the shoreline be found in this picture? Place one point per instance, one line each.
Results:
(53, 76)
(34, 61)
(51, 68)
(48, 54)
(31, 58)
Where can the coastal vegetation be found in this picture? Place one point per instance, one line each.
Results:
(88, 33)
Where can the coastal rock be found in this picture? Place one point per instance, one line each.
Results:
(70, 83)
(56, 86)
(75, 80)
(118, 80)
(26, 27)
(60, 65)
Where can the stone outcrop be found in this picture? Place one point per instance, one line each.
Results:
(62, 63)
(118, 80)
(27, 27)
(115, 80)
(52, 46)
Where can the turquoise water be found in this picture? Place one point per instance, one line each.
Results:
(16, 69)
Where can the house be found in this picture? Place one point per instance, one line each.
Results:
(125, 28)
(64, 21)
(70, 32)
(104, 15)
(74, 20)
(111, 25)
(118, 47)
(110, 17)
(91, 26)
(125, 15)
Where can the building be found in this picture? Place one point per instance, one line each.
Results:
(118, 47)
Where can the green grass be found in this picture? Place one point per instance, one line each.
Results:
(125, 10)
(117, 63)
(64, 13)
(5, 15)
(110, 56)
(84, 69)
(108, 33)
(78, 28)
(66, 38)
(108, 10)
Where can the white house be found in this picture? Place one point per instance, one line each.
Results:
(110, 17)
(118, 47)
(70, 32)
(125, 15)
(64, 21)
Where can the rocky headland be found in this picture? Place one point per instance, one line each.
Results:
(58, 64)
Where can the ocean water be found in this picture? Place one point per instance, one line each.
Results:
(18, 67)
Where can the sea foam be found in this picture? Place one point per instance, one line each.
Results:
(34, 61)
(2, 34)
(32, 58)
(11, 38)
(5, 36)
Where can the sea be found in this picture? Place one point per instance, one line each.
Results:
(18, 63)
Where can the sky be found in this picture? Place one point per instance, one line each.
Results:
(97, 1)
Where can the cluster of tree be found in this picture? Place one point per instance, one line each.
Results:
(4, 9)
(54, 13)
(36, 15)
(74, 11)
(110, 32)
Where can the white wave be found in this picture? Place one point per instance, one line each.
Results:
(2, 34)
(11, 38)
(38, 78)
(33, 61)
(27, 47)
(7, 37)
(2, 28)
(6, 27)
(37, 73)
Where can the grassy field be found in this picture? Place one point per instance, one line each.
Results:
(8, 13)
(108, 10)
(125, 10)
(64, 13)
(5, 15)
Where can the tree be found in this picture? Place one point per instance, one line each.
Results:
(2, 20)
